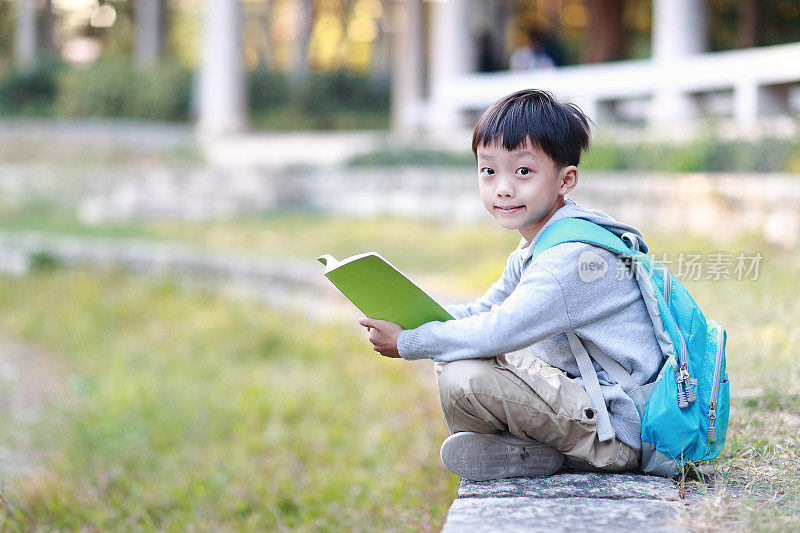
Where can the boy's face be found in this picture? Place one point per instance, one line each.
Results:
(522, 188)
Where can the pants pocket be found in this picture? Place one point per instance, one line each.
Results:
(561, 394)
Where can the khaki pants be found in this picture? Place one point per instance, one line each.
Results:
(536, 402)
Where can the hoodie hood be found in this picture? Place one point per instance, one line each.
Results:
(570, 209)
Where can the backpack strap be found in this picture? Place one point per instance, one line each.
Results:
(615, 370)
(605, 431)
(581, 230)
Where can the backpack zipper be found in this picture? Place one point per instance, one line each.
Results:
(712, 404)
(685, 381)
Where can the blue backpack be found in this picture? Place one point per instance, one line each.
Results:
(685, 410)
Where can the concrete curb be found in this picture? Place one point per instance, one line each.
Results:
(284, 283)
(567, 501)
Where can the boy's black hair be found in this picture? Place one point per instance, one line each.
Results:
(560, 130)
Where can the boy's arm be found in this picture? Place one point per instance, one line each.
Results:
(535, 310)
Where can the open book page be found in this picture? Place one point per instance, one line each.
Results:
(381, 291)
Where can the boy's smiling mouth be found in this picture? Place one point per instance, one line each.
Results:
(509, 208)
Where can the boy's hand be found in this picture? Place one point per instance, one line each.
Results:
(383, 335)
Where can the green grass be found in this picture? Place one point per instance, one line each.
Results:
(191, 409)
(186, 411)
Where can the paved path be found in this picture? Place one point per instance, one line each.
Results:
(120, 132)
(30, 378)
(567, 501)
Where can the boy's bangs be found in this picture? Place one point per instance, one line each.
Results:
(507, 127)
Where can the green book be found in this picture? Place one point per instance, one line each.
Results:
(381, 291)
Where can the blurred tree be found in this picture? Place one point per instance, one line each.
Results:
(746, 23)
(46, 22)
(604, 31)
(779, 22)
(749, 21)
(259, 34)
(6, 34)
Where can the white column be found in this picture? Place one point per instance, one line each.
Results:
(407, 65)
(745, 102)
(679, 30)
(148, 32)
(451, 55)
(305, 12)
(751, 101)
(222, 102)
(25, 35)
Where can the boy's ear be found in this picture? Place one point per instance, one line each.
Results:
(569, 178)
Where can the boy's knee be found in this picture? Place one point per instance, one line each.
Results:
(460, 378)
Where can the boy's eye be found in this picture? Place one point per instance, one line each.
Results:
(523, 171)
(487, 170)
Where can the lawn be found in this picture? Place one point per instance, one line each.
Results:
(187, 410)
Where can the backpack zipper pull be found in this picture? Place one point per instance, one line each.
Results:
(682, 401)
(684, 371)
(690, 397)
(712, 415)
(685, 392)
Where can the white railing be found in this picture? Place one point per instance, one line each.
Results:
(750, 74)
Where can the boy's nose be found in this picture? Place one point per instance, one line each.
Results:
(504, 188)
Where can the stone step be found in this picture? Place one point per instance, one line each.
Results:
(567, 501)
(573, 484)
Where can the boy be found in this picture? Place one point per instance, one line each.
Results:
(512, 415)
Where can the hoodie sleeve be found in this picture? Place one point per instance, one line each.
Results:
(494, 295)
(534, 310)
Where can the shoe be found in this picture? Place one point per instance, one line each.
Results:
(482, 456)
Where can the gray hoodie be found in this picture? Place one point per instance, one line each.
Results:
(535, 302)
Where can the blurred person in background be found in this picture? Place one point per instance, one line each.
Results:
(540, 52)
